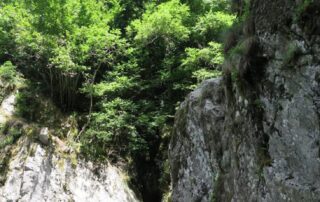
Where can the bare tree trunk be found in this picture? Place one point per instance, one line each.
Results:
(91, 103)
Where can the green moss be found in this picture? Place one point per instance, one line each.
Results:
(4, 163)
(12, 135)
(32, 131)
(217, 187)
(300, 9)
(248, 46)
(32, 150)
(164, 181)
(65, 188)
(232, 37)
(263, 157)
(264, 160)
(234, 75)
(167, 197)
(246, 10)
(60, 163)
(237, 50)
(74, 160)
(258, 104)
(240, 83)
(2, 127)
(291, 54)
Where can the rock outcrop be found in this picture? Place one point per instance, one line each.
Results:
(7, 108)
(37, 167)
(35, 173)
(254, 135)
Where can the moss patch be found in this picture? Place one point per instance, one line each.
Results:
(4, 164)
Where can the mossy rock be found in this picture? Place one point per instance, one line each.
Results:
(308, 16)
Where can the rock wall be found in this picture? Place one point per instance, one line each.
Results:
(37, 174)
(7, 108)
(254, 134)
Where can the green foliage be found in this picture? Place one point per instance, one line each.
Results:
(203, 74)
(166, 21)
(35, 107)
(117, 84)
(292, 53)
(113, 131)
(302, 7)
(9, 79)
(61, 17)
(210, 56)
(61, 42)
(217, 186)
(200, 64)
(12, 134)
(8, 73)
(165, 180)
(62, 61)
(244, 47)
(246, 9)
(212, 24)
(28, 103)
(201, 6)
(235, 75)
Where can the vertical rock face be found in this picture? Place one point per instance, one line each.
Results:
(36, 173)
(193, 162)
(256, 137)
(7, 108)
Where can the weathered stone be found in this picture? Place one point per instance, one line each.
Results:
(257, 139)
(193, 168)
(7, 108)
(37, 174)
(44, 136)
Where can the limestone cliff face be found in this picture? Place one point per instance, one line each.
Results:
(39, 167)
(254, 135)
(36, 174)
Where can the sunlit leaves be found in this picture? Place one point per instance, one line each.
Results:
(113, 128)
(116, 86)
(210, 56)
(202, 6)
(62, 60)
(203, 74)
(210, 25)
(8, 72)
(164, 21)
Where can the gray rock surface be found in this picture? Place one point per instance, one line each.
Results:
(255, 138)
(38, 174)
(44, 135)
(7, 107)
(193, 168)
